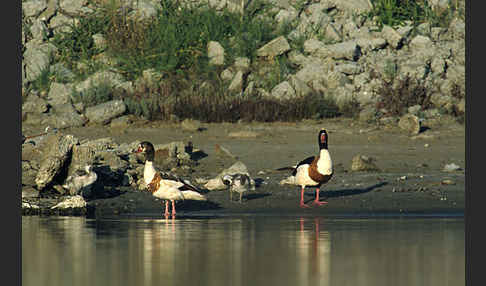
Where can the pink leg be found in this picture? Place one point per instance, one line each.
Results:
(166, 209)
(316, 201)
(173, 209)
(302, 205)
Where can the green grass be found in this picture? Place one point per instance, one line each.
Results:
(176, 40)
(396, 12)
(94, 95)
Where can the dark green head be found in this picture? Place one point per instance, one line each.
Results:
(147, 149)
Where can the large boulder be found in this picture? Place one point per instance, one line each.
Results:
(103, 113)
(215, 53)
(274, 48)
(57, 150)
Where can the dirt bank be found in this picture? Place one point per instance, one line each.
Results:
(410, 180)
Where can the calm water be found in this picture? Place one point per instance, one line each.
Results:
(249, 250)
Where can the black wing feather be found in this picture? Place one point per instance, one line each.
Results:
(185, 187)
(307, 160)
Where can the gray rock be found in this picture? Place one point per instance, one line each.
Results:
(461, 105)
(348, 50)
(36, 61)
(312, 21)
(274, 48)
(64, 116)
(71, 202)
(34, 104)
(61, 73)
(99, 41)
(287, 15)
(82, 155)
(33, 8)
(352, 6)
(438, 66)
(439, 5)
(236, 84)
(410, 123)
(457, 29)
(39, 31)
(250, 89)
(415, 69)
(143, 9)
(103, 113)
(361, 163)
(313, 71)
(72, 7)
(57, 151)
(300, 87)
(61, 23)
(59, 94)
(283, 90)
(111, 79)
(349, 68)
(341, 95)
(29, 192)
(421, 42)
(333, 33)
(313, 46)
(437, 33)
(335, 79)
(405, 31)
(121, 122)
(370, 44)
(392, 37)
(227, 74)
(215, 53)
(28, 174)
(242, 64)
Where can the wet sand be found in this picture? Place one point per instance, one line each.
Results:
(411, 179)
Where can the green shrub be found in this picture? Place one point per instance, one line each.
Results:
(94, 95)
(396, 12)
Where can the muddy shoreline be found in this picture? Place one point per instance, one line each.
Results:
(410, 179)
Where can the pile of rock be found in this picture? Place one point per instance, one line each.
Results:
(344, 56)
(47, 162)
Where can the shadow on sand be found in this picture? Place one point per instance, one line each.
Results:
(347, 192)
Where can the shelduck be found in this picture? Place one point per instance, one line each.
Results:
(314, 171)
(238, 183)
(165, 186)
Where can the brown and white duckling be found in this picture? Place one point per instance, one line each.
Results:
(238, 183)
(165, 186)
(314, 170)
(80, 180)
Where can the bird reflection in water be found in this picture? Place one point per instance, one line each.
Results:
(314, 252)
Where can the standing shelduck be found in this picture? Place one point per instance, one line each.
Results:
(165, 186)
(314, 170)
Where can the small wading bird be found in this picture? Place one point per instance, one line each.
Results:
(238, 183)
(80, 180)
(314, 170)
(165, 186)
